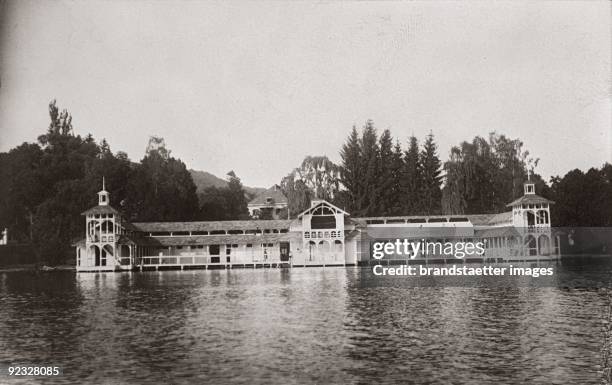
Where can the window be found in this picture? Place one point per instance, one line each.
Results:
(323, 222)
(269, 200)
(416, 220)
(249, 245)
(436, 220)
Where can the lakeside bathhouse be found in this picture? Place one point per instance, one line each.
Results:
(323, 235)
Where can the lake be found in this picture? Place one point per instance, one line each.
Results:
(305, 325)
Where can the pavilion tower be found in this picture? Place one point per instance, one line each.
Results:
(103, 228)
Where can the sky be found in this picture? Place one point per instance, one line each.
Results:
(255, 87)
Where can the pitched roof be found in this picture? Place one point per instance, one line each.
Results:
(218, 239)
(475, 219)
(274, 193)
(529, 199)
(501, 218)
(100, 210)
(508, 231)
(212, 225)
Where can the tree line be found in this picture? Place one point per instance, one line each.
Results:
(47, 185)
(377, 176)
(381, 179)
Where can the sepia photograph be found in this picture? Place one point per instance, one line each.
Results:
(305, 192)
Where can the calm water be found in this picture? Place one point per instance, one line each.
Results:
(310, 325)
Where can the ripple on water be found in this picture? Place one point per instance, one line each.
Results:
(296, 326)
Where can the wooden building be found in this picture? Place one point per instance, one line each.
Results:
(323, 235)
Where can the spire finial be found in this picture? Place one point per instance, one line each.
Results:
(103, 183)
(528, 174)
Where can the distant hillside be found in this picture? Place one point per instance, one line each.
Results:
(203, 180)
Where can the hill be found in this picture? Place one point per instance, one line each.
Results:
(203, 180)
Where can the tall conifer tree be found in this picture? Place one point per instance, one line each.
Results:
(367, 200)
(411, 181)
(431, 178)
(384, 187)
(351, 169)
(397, 175)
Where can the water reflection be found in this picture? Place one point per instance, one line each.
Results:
(315, 325)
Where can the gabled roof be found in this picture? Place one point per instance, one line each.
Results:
(318, 203)
(274, 193)
(529, 199)
(100, 210)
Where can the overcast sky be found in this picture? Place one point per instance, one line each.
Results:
(257, 86)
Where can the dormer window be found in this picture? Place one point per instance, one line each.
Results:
(269, 200)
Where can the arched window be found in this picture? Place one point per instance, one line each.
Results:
(312, 250)
(544, 245)
(337, 246)
(95, 253)
(324, 246)
(323, 218)
(531, 245)
(107, 252)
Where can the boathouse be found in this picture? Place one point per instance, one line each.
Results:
(323, 235)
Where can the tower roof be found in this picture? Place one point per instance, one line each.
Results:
(529, 199)
(101, 209)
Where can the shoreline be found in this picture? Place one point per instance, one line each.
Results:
(47, 268)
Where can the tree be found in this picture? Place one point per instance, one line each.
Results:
(161, 188)
(316, 177)
(236, 199)
(351, 170)
(484, 175)
(583, 199)
(225, 203)
(369, 190)
(297, 193)
(214, 205)
(431, 179)
(397, 177)
(411, 181)
(385, 201)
